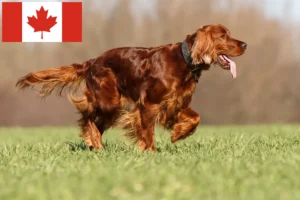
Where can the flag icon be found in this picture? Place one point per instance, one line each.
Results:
(41, 21)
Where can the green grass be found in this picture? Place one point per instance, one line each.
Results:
(227, 162)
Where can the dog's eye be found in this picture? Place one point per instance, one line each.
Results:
(223, 36)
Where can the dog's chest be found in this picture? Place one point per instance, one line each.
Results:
(178, 99)
(182, 96)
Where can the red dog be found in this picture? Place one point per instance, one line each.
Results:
(134, 88)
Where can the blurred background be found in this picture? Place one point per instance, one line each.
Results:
(265, 91)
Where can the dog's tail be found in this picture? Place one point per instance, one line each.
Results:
(55, 79)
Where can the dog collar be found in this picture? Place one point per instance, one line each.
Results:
(186, 53)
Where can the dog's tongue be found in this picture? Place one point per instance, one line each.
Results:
(232, 66)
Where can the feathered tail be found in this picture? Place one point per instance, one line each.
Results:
(55, 79)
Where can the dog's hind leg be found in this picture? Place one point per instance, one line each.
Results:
(103, 101)
(87, 123)
(91, 134)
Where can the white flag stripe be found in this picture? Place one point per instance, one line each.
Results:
(29, 9)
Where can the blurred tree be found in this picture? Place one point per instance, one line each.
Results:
(119, 29)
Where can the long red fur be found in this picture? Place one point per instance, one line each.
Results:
(135, 88)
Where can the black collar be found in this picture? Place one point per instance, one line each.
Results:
(186, 53)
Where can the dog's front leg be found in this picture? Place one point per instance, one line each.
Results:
(187, 123)
(148, 114)
(147, 138)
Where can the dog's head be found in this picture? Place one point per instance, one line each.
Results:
(214, 44)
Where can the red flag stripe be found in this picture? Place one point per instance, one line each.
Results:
(11, 21)
(72, 22)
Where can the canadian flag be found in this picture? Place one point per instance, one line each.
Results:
(41, 21)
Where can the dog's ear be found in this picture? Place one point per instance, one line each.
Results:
(203, 47)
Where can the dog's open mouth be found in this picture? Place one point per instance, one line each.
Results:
(226, 63)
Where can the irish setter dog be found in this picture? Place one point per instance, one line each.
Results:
(134, 88)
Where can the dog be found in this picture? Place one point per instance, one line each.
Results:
(134, 88)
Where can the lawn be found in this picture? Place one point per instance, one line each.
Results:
(225, 162)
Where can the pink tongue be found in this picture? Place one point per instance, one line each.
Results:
(232, 66)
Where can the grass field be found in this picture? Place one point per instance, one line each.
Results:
(226, 162)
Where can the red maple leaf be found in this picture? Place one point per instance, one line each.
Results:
(41, 23)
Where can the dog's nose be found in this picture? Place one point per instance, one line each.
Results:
(244, 45)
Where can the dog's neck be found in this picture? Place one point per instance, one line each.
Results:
(195, 69)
